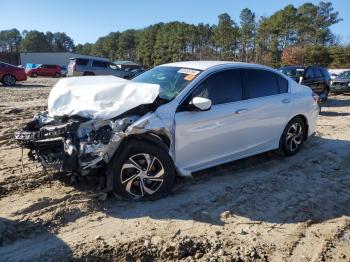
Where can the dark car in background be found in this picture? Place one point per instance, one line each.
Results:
(341, 84)
(10, 74)
(315, 77)
(92, 67)
(45, 70)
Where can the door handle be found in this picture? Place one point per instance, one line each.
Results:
(286, 101)
(241, 111)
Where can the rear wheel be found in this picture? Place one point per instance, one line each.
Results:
(57, 75)
(142, 170)
(293, 137)
(9, 80)
(34, 75)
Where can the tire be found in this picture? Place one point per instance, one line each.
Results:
(293, 137)
(57, 75)
(35, 75)
(131, 180)
(9, 80)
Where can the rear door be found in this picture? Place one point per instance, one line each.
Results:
(269, 105)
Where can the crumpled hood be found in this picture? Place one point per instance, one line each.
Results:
(98, 97)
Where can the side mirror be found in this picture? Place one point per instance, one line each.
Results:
(201, 103)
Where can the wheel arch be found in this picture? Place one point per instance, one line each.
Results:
(303, 117)
(8, 74)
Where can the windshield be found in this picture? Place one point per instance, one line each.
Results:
(293, 72)
(345, 74)
(172, 80)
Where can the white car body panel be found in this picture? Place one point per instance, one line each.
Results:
(209, 138)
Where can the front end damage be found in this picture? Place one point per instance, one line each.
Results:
(73, 138)
(73, 144)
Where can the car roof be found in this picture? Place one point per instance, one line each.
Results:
(292, 67)
(204, 65)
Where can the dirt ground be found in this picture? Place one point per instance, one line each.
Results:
(264, 208)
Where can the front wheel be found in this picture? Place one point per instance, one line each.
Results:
(143, 170)
(293, 137)
(9, 80)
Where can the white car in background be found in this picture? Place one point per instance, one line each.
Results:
(176, 118)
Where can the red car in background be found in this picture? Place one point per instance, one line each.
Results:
(10, 74)
(45, 70)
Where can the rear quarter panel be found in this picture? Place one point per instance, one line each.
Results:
(304, 104)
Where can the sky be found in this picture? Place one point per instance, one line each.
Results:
(87, 20)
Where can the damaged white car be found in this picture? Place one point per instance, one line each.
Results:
(173, 119)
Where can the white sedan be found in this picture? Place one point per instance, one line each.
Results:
(176, 118)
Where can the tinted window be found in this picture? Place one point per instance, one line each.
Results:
(97, 63)
(282, 84)
(81, 61)
(325, 73)
(259, 83)
(309, 73)
(222, 87)
(318, 72)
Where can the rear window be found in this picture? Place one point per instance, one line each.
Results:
(81, 61)
(317, 72)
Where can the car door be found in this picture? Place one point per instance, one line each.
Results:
(269, 106)
(204, 138)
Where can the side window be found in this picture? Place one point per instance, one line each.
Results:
(259, 83)
(222, 87)
(97, 63)
(81, 61)
(309, 73)
(282, 84)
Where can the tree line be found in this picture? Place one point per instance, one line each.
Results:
(292, 35)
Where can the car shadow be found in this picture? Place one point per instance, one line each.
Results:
(333, 102)
(267, 188)
(331, 113)
(28, 241)
(27, 86)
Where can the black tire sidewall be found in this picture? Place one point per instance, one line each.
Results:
(136, 147)
(283, 143)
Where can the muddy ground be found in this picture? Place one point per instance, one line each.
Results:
(264, 208)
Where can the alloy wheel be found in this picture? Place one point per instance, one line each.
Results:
(294, 136)
(142, 175)
(9, 80)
